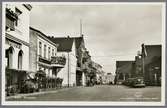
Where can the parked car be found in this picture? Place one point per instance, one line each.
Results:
(135, 82)
(129, 81)
(138, 82)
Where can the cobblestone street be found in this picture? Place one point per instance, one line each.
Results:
(99, 93)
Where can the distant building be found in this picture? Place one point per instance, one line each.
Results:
(17, 43)
(97, 72)
(86, 65)
(108, 78)
(151, 54)
(124, 71)
(138, 67)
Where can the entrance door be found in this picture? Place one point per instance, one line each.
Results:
(79, 78)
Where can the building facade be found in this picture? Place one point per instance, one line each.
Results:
(147, 64)
(151, 57)
(44, 57)
(67, 47)
(138, 67)
(17, 43)
(77, 68)
(124, 70)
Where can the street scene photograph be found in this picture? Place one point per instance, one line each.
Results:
(83, 52)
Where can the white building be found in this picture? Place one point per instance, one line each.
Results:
(68, 47)
(17, 42)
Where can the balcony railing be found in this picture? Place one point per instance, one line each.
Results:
(44, 60)
(58, 61)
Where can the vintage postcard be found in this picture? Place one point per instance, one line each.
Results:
(83, 53)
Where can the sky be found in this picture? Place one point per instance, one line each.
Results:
(111, 32)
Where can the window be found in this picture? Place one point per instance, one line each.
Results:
(10, 19)
(52, 52)
(40, 68)
(9, 56)
(44, 51)
(44, 70)
(55, 52)
(20, 59)
(48, 52)
(17, 12)
(40, 48)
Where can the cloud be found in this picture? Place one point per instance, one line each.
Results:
(108, 29)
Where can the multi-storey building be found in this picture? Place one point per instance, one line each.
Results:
(17, 42)
(124, 71)
(108, 78)
(43, 55)
(83, 66)
(151, 61)
(67, 47)
(96, 71)
(74, 50)
(137, 67)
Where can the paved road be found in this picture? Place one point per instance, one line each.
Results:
(99, 93)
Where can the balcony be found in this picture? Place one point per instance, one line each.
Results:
(58, 61)
(44, 60)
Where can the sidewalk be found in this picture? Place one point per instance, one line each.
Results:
(44, 91)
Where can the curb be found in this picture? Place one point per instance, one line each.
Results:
(17, 96)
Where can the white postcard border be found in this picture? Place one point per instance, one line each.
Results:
(81, 103)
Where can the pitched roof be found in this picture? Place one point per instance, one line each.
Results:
(65, 43)
(78, 41)
(152, 51)
(42, 35)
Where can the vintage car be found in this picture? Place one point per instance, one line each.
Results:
(138, 82)
(135, 82)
